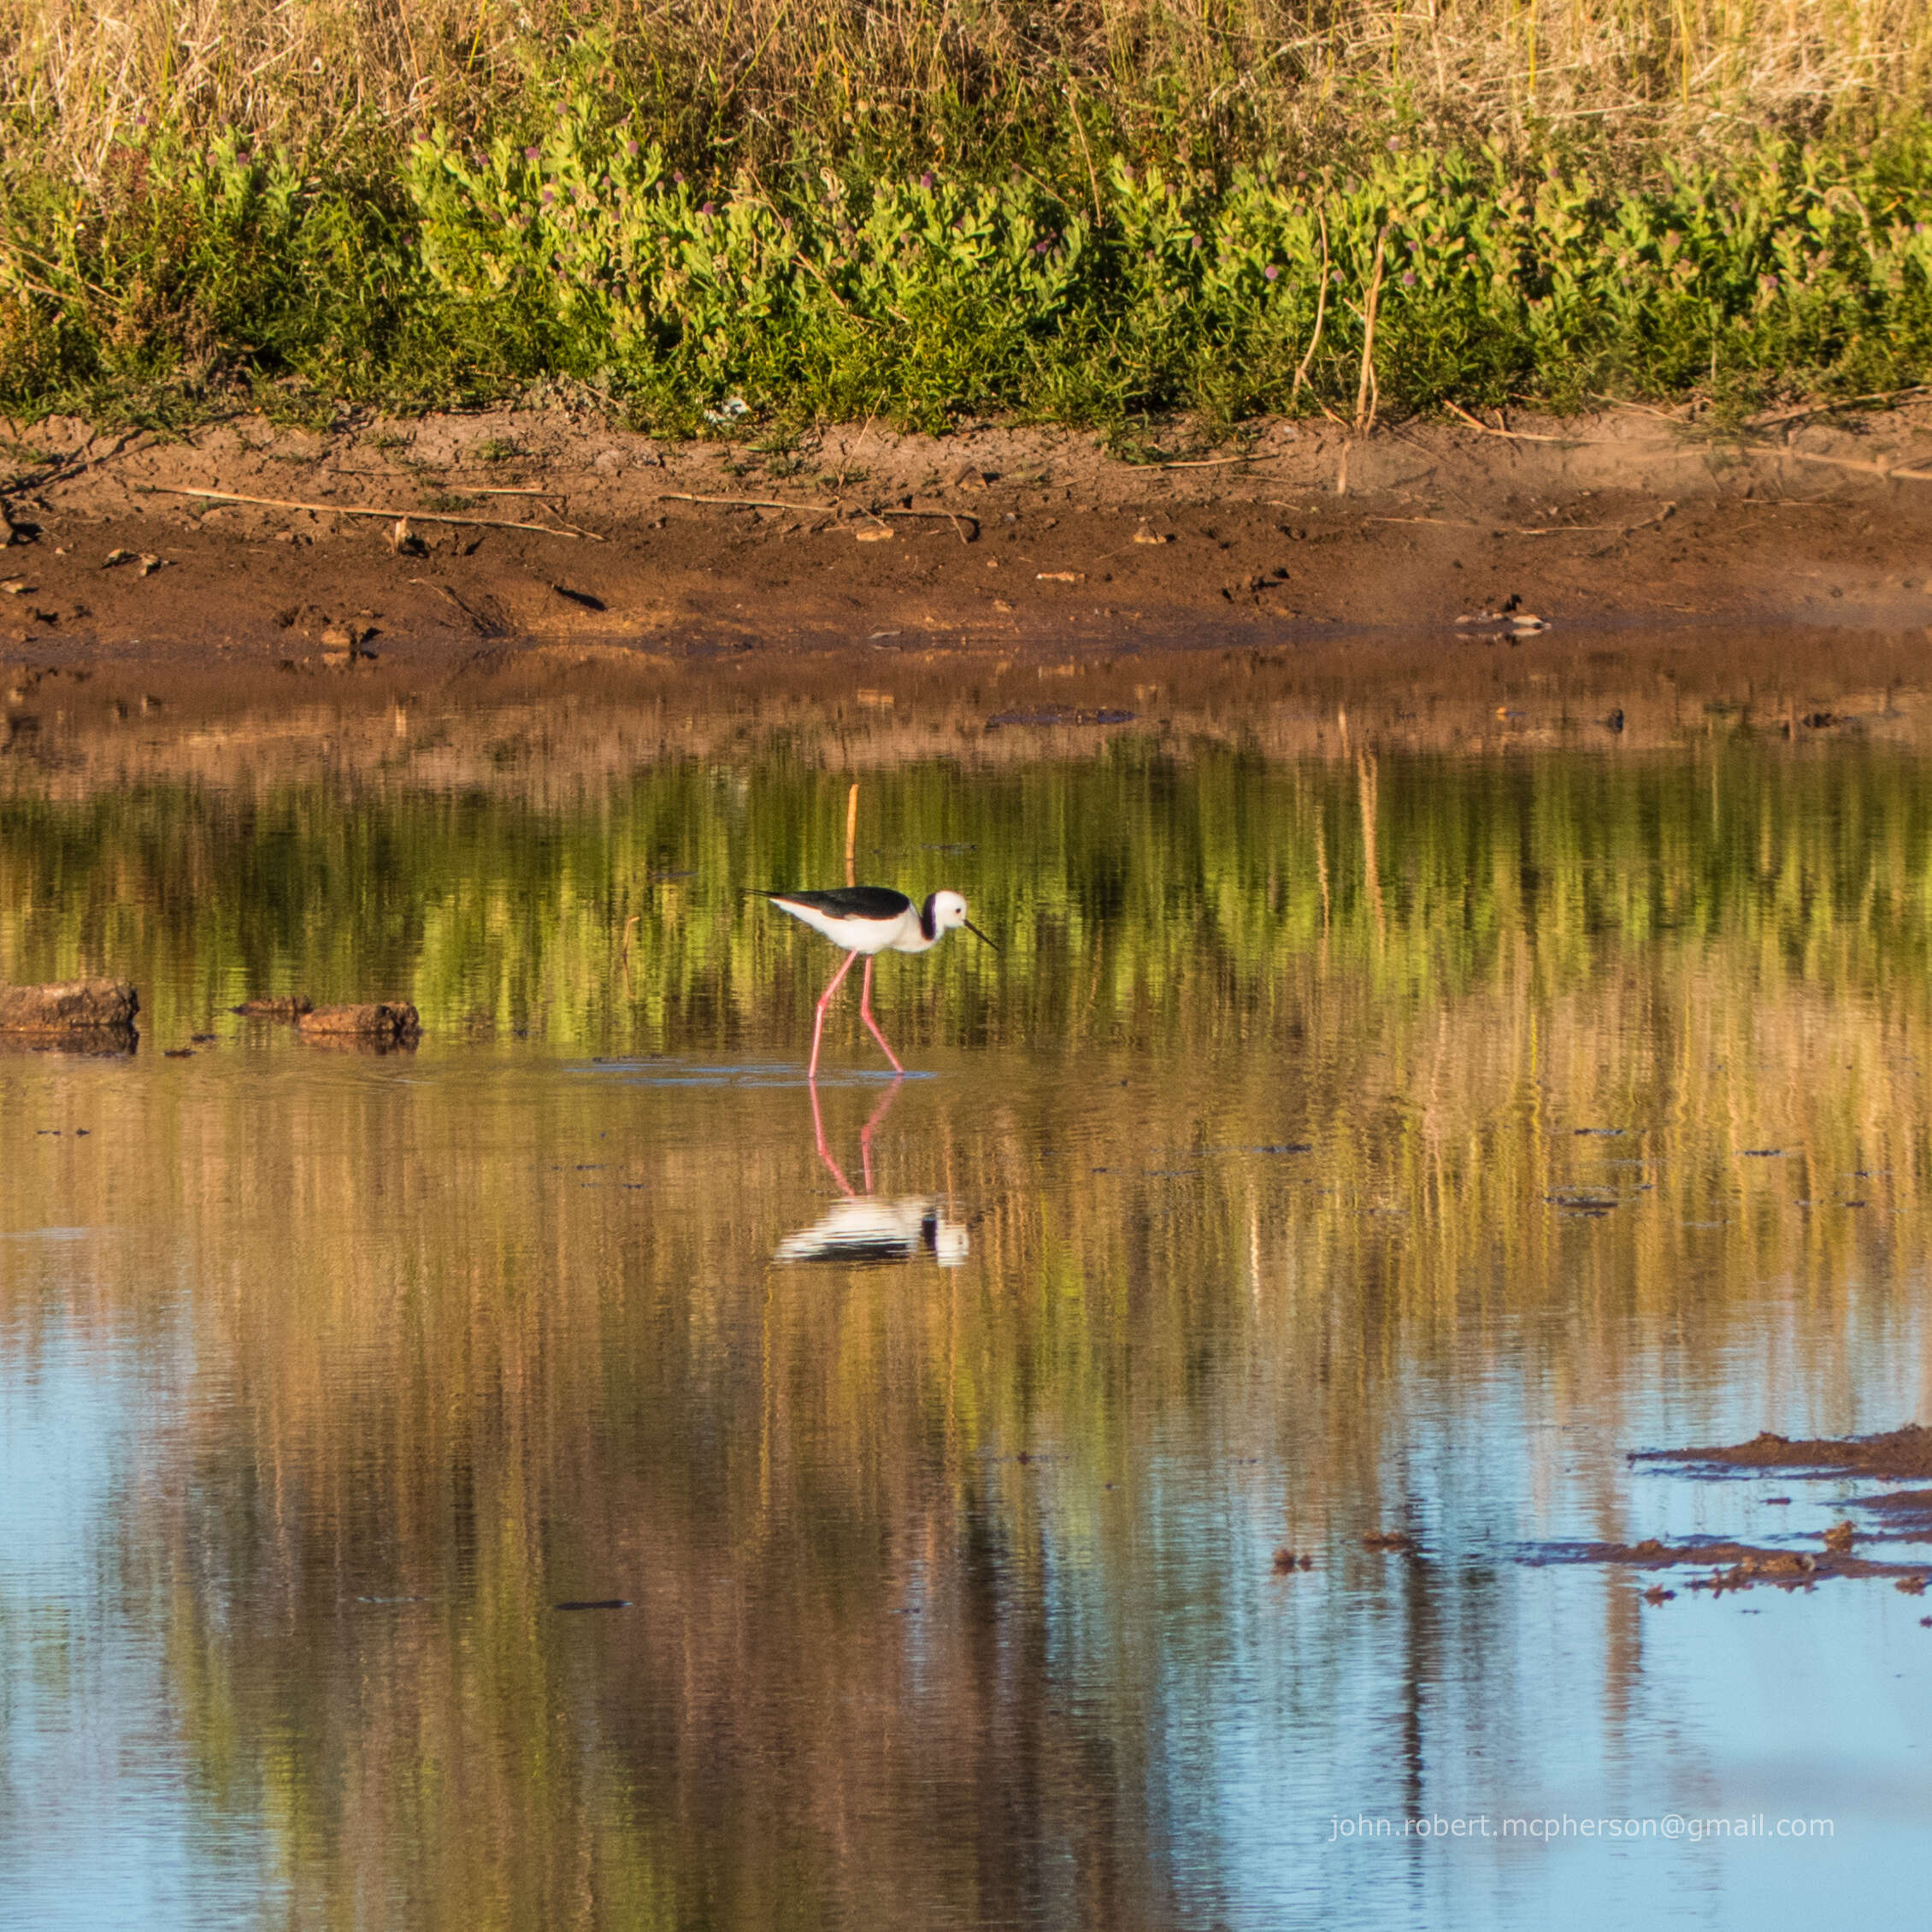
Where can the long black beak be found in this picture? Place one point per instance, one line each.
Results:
(977, 933)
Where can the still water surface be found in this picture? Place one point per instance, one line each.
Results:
(1334, 1147)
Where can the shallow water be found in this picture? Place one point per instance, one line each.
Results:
(1333, 1147)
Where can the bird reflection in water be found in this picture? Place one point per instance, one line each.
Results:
(863, 1228)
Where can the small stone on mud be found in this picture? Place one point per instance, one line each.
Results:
(1286, 1560)
(873, 533)
(1657, 1593)
(1144, 535)
(1839, 1536)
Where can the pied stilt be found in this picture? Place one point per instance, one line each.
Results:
(871, 920)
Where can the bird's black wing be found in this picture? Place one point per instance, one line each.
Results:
(851, 902)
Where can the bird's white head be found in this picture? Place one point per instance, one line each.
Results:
(947, 911)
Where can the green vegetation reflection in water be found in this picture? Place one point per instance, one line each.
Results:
(1139, 896)
(440, 1364)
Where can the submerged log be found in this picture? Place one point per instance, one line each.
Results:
(71, 1006)
(291, 1006)
(394, 1021)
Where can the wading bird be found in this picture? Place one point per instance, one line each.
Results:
(872, 920)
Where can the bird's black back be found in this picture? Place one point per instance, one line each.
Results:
(851, 902)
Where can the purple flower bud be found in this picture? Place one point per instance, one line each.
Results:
(926, 182)
(530, 154)
(1273, 274)
(1193, 241)
(1408, 278)
(549, 195)
(631, 149)
(678, 179)
(708, 207)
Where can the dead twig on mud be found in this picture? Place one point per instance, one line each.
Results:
(748, 503)
(1508, 435)
(370, 509)
(1207, 462)
(1881, 468)
(957, 519)
(1777, 417)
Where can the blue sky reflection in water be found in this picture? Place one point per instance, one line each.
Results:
(1246, 1205)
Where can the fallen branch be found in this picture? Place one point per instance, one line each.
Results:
(956, 519)
(368, 510)
(1778, 416)
(1209, 462)
(1880, 469)
(1508, 435)
(747, 503)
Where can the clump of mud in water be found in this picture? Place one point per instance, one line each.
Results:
(1903, 1516)
(1900, 1453)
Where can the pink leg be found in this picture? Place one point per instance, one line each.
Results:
(825, 1000)
(825, 1152)
(871, 1126)
(865, 1013)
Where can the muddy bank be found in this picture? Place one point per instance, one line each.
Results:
(487, 533)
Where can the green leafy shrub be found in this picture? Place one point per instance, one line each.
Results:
(470, 270)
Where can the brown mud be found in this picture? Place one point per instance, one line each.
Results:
(1899, 1454)
(1726, 1565)
(986, 543)
(1898, 1516)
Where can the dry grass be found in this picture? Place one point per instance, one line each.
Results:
(1224, 77)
